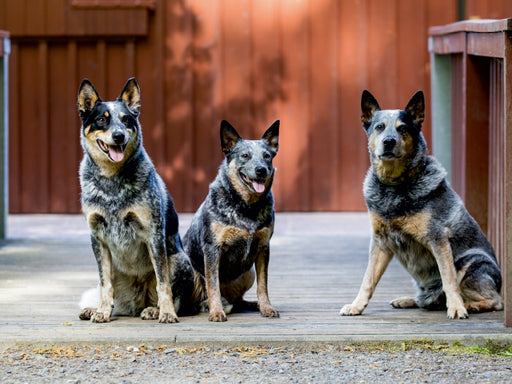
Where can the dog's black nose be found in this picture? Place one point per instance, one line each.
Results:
(389, 143)
(261, 172)
(118, 137)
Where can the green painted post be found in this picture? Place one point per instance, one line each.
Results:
(441, 109)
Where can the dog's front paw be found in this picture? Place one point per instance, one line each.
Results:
(86, 313)
(168, 318)
(351, 310)
(457, 313)
(269, 312)
(404, 302)
(150, 313)
(217, 316)
(101, 316)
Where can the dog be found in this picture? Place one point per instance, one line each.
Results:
(143, 270)
(230, 232)
(416, 216)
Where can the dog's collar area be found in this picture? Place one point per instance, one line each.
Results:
(114, 152)
(413, 172)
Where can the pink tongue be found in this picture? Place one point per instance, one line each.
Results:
(258, 187)
(116, 153)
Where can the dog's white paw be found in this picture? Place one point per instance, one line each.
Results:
(457, 313)
(351, 310)
(101, 316)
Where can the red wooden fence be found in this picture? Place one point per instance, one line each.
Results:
(200, 61)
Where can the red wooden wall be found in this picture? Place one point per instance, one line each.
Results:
(200, 61)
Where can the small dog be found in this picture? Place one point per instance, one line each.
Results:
(134, 227)
(416, 216)
(231, 230)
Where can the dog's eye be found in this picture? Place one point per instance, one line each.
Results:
(402, 129)
(266, 156)
(245, 156)
(379, 127)
(100, 120)
(126, 120)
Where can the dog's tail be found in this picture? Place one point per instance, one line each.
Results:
(90, 298)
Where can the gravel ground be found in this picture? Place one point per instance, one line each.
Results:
(325, 364)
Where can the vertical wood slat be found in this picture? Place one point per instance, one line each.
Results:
(207, 90)
(496, 200)
(293, 162)
(15, 170)
(507, 118)
(324, 104)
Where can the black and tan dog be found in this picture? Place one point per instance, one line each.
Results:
(417, 217)
(231, 230)
(134, 227)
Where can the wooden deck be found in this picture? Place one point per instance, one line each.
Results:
(317, 263)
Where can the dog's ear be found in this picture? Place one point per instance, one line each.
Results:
(416, 107)
(271, 136)
(228, 136)
(368, 107)
(131, 95)
(87, 98)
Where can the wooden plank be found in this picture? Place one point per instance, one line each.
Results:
(383, 52)
(476, 100)
(14, 131)
(486, 44)
(293, 163)
(4, 131)
(178, 91)
(483, 26)
(236, 66)
(267, 93)
(324, 136)
(412, 69)
(33, 155)
(353, 64)
(207, 64)
(64, 150)
(507, 267)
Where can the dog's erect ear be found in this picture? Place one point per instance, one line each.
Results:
(131, 95)
(368, 107)
(87, 97)
(416, 107)
(271, 135)
(228, 136)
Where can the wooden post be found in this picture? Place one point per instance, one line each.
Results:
(4, 137)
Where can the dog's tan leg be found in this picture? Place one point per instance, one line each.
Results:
(167, 313)
(262, 260)
(443, 255)
(216, 314)
(104, 258)
(377, 264)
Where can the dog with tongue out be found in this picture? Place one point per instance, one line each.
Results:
(228, 239)
(142, 268)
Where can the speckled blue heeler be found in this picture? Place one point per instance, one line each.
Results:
(417, 217)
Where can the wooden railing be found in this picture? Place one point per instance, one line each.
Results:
(472, 125)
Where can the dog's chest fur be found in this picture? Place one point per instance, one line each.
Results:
(228, 229)
(401, 217)
(119, 211)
